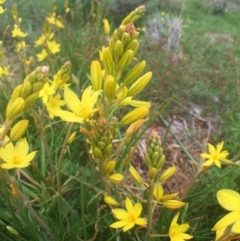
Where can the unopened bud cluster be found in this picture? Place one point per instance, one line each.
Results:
(154, 155)
(101, 140)
(25, 95)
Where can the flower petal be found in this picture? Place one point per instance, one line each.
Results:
(227, 220)
(229, 199)
(140, 221)
(22, 147)
(120, 214)
(137, 209)
(72, 100)
(128, 226)
(129, 206)
(236, 227)
(119, 224)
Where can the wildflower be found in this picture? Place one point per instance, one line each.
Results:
(41, 56)
(17, 32)
(135, 115)
(46, 91)
(40, 40)
(135, 175)
(16, 157)
(128, 218)
(18, 130)
(54, 103)
(229, 200)
(4, 71)
(177, 232)
(81, 110)
(215, 156)
(167, 199)
(53, 46)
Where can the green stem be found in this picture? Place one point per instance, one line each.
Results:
(103, 177)
(150, 211)
(60, 160)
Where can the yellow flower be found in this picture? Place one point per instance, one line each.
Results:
(16, 157)
(46, 91)
(53, 46)
(59, 23)
(40, 40)
(41, 56)
(229, 200)
(128, 218)
(215, 156)
(167, 199)
(177, 232)
(81, 110)
(2, 10)
(4, 71)
(17, 32)
(54, 103)
(20, 46)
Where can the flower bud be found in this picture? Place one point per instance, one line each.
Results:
(167, 174)
(106, 26)
(152, 173)
(135, 115)
(173, 204)
(139, 84)
(18, 130)
(26, 89)
(17, 92)
(109, 87)
(116, 178)
(71, 138)
(126, 59)
(135, 175)
(30, 100)
(107, 61)
(133, 74)
(119, 49)
(96, 75)
(97, 153)
(36, 87)
(15, 108)
(109, 167)
(109, 200)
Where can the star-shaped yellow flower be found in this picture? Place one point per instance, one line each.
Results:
(81, 109)
(215, 156)
(46, 91)
(229, 200)
(41, 56)
(128, 218)
(177, 232)
(53, 46)
(40, 40)
(16, 156)
(17, 32)
(54, 103)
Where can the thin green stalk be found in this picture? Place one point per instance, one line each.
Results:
(150, 211)
(60, 160)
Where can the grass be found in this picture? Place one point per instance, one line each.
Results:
(205, 72)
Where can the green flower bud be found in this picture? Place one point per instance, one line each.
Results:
(133, 74)
(135, 115)
(96, 75)
(15, 108)
(18, 130)
(109, 87)
(126, 59)
(139, 85)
